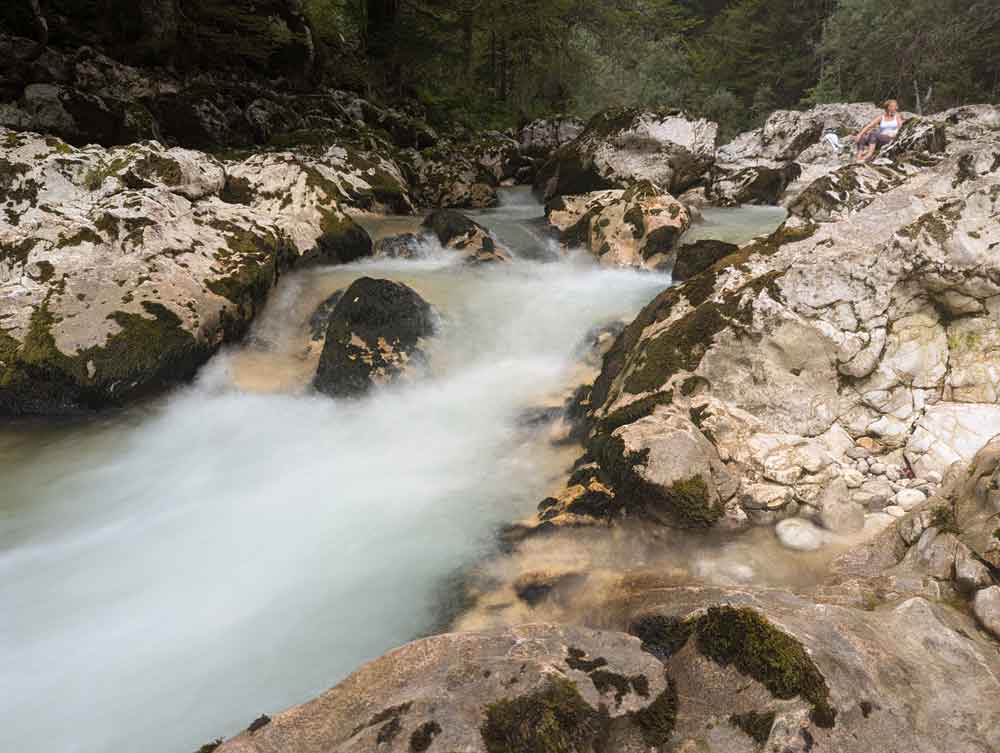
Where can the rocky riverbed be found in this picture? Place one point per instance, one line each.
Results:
(767, 510)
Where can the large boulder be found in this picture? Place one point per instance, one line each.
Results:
(457, 232)
(622, 147)
(532, 688)
(374, 336)
(823, 361)
(122, 270)
(446, 176)
(541, 137)
(755, 184)
(786, 134)
(637, 227)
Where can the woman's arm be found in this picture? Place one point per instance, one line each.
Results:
(868, 127)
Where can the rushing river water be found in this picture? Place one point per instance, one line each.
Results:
(170, 572)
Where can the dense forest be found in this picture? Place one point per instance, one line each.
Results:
(494, 62)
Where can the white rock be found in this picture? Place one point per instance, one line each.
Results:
(895, 511)
(878, 469)
(933, 477)
(910, 498)
(799, 534)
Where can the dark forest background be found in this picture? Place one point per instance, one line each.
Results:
(492, 63)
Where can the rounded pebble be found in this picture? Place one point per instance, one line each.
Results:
(799, 534)
(895, 511)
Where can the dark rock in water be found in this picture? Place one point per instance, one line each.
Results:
(699, 256)
(373, 336)
(320, 319)
(456, 231)
(450, 227)
(405, 246)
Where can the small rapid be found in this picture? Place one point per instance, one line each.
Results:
(172, 571)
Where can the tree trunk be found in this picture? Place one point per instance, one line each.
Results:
(41, 29)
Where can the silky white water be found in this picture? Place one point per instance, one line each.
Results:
(169, 573)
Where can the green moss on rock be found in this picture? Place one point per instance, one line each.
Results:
(741, 637)
(423, 736)
(554, 719)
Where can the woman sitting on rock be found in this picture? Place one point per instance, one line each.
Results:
(881, 131)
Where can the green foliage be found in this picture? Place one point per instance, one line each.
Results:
(943, 518)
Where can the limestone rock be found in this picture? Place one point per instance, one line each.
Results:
(475, 692)
(622, 147)
(540, 138)
(694, 258)
(373, 337)
(638, 227)
(986, 607)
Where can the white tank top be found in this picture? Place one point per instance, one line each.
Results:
(888, 126)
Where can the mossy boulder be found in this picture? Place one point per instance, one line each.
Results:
(637, 227)
(694, 258)
(620, 147)
(533, 689)
(373, 336)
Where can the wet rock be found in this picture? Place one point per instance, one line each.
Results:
(799, 534)
(457, 232)
(638, 227)
(405, 246)
(374, 337)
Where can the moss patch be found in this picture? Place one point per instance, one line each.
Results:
(943, 518)
(554, 719)
(424, 735)
(684, 504)
(743, 638)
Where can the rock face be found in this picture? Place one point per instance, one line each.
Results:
(693, 258)
(676, 668)
(122, 270)
(373, 337)
(457, 232)
(861, 328)
(519, 689)
(622, 147)
(540, 138)
(638, 227)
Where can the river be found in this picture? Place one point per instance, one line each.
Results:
(170, 572)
